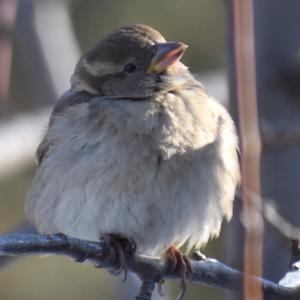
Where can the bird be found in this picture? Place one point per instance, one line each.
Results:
(136, 150)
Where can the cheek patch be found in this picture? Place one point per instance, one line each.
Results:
(79, 85)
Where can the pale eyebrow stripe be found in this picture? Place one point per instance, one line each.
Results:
(100, 68)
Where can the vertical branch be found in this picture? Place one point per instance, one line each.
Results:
(8, 10)
(251, 144)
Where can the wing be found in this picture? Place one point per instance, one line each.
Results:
(68, 99)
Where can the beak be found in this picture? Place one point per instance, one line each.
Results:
(166, 55)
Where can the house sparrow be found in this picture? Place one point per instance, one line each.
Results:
(136, 150)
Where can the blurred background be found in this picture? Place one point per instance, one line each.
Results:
(40, 43)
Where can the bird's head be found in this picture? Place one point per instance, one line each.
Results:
(131, 62)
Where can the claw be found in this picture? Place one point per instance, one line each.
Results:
(197, 255)
(81, 258)
(160, 288)
(177, 260)
(181, 293)
(122, 259)
(122, 247)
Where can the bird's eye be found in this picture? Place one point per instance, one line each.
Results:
(130, 68)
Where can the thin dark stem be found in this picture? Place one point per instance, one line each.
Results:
(150, 269)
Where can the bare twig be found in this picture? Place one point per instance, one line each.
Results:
(150, 269)
(8, 10)
(272, 216)
(251, 144)
(295, 253)
(23, 227)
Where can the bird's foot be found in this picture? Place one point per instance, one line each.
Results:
(180, 262)
(123, 248)
(198, 255)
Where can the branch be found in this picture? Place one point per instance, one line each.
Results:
(150, 269)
